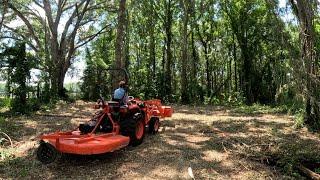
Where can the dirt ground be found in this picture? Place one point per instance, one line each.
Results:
(212, 142)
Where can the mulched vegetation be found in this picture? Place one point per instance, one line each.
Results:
(213, 142)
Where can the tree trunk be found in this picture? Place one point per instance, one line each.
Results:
(235, 64)
(304, 10)
(152, 54)
(127, 42)
(168, 32)
(195, 62)
(230, 72)
(184, 53)
(247, 76)
(207, 63)
(61, 77)
(119, 44)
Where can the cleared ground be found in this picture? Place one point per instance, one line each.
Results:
(215, 142)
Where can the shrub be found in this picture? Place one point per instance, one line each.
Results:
(5, 102)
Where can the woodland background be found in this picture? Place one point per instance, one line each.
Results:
(225, 52)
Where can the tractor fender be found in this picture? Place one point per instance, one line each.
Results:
(133, 107)
(135, 111)
(156, 113)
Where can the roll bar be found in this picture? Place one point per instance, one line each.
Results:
(126, 75)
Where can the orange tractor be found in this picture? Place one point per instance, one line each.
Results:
(113, 127)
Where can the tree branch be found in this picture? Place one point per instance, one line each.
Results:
(91, 37)
(27, 23)
(38, 4)
(59, 13)
(47, 8)
(72, 36)
(66, 27)
(22, 36)
(4, 12)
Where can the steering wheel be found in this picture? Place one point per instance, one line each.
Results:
(101, 100)
(130, 98)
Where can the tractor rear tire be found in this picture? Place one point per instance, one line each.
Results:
(46, 153)
(154, 125)
(134, 127)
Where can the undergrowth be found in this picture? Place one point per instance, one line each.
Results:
(6, 151)
(5, 102)
(258, 109)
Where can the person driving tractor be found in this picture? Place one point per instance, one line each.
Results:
(120, 94)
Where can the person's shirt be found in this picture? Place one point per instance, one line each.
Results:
(119, 93)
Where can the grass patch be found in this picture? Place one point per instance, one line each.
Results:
(299, 119)
(258, 109)
(21, 167)
(6, 154)
(6, 126)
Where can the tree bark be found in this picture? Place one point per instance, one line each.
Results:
(184, 52)
(119, 44)
(235, 63)
(152, 52)
(168, 40)
(304, 10)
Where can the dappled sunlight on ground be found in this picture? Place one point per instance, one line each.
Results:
(215, 142)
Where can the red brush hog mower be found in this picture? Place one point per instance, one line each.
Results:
(112, 128)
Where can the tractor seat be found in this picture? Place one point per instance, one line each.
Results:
(124, 108)
(113, 104)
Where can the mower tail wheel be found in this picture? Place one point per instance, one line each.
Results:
(46, 153)
(134, 127)
(154, 125)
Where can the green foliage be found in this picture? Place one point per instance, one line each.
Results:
(5, 102)
(2, 88)
(2, 122)
(228, 99)
(299, 119)
(96, 80)
(6, 153)
(18, 72)
(73, 90)
(289, 97)
(261, 57)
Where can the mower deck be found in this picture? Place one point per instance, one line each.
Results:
(75, 143)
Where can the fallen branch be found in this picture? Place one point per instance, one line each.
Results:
(62, 116)
(308, 172)
(8, 137)
(244, 166)
(224, 148)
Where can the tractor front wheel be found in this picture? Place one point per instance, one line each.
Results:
(154, 125)
(47, 154)
(134, 127)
